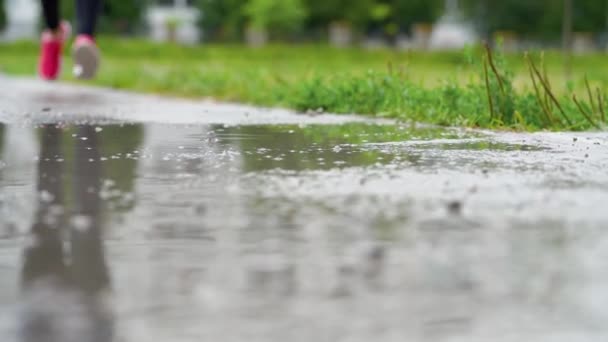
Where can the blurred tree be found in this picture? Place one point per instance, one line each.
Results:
(121, 16)
(324, 12)
(2, 15)
(389, 16)
(222, 19)
(225, 19)
(589, 15)
(408, 12)
(520, 16)
(380, 20)
(539, 18)
(278, 17)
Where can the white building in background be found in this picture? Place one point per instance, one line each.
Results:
(174, 20)
(451, 31)
(23, 18)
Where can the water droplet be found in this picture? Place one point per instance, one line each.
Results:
(109, 183)
(46, 196)
(81, 222)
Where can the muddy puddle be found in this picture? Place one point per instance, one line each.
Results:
(351, 232)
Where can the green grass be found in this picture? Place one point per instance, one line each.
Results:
(447, 88)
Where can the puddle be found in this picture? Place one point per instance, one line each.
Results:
(352, 232)
(322, 147)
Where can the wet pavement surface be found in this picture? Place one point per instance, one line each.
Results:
(286, 227)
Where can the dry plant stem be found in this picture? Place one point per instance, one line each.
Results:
(594, 110)
(543, 66)
(600, 101)
(493, 67)
(401, 72)
(488, 90)
(584, 113)
(545, 85)
(540, 101)
(539, 98)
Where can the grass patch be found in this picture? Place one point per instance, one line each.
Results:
(475, 88)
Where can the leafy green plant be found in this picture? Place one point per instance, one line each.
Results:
(489, 100)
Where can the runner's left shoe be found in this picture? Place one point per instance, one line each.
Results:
(86, 57)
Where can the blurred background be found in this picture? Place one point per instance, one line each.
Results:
(400, 24)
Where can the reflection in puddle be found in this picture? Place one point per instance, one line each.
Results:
(65, 277)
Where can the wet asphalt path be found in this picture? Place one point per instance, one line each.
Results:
(129, 217)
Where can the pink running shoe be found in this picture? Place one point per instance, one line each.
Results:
(86, 57)
(51, 48)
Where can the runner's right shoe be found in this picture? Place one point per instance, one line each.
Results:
(51, 48)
